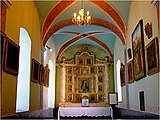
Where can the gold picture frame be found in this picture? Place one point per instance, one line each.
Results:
(69, 79)
(100, 97)
(77, 70)
(100, 79)
(84, 85)
(93, 70)
(69, 70)
(88, 61)
(100, 69)
(93, 97)
(130, 72)
(77, 98)
(69, 88)
(152, 56)
(69, 97)
(100, 88)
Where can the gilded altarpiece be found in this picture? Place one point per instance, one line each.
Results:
(86, 76)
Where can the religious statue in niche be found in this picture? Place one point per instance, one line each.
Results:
(84, 86)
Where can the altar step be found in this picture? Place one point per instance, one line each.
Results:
(86, 117)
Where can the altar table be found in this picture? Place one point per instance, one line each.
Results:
(84, 111)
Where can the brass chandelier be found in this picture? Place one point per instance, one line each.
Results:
(81, 18)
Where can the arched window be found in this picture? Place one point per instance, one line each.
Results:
(51, 89)
(119, 89)
(23, 83)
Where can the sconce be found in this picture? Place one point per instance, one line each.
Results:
(50, 49)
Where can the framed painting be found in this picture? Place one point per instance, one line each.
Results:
(100, 88)
(152, 56)
(148, 30)
(80, 61)
(69, 79)
(138, 52)
(88, 61)
(84, 85)
(129, 53)
(77, 98)
(100, 69)
(42, 75)
(69, 70)
(35, 71)
(130, 72)
(93, 70)
(77, 70)
(11, 57)
(100, 97)
(92, 98)
(69, 97)
(3, 40)
(122, 75)
(46, 76)
(69, 88)
(100, 79)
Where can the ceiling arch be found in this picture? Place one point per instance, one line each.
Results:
(62, 5)
(84, 35)
(100, 22)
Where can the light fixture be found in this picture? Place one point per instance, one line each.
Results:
(50, 49)
(81, 18)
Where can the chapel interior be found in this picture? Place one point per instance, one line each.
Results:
(79, 59)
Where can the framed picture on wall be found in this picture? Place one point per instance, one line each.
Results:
(122, 75)
(11, 57)
(35, 71)
(152, 56)
(92, 98)
(138, 52)
(130, 72)
(46, 76)
(42, 75)
(3, 40)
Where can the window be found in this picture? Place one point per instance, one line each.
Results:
(119, 89)
(23, 83)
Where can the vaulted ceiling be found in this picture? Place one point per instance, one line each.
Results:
(109, 21)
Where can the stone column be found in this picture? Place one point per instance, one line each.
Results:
(62, 82)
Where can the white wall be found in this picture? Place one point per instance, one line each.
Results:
(119, 55)
(49, 93)
(149, 84)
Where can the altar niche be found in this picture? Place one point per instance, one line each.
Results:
(85, 76)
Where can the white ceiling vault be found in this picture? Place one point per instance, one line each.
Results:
(109, 21)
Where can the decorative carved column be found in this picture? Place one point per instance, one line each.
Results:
(92, 85)
(62, 82)
(106, 80)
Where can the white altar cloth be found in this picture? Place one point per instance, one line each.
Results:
(84, 111)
